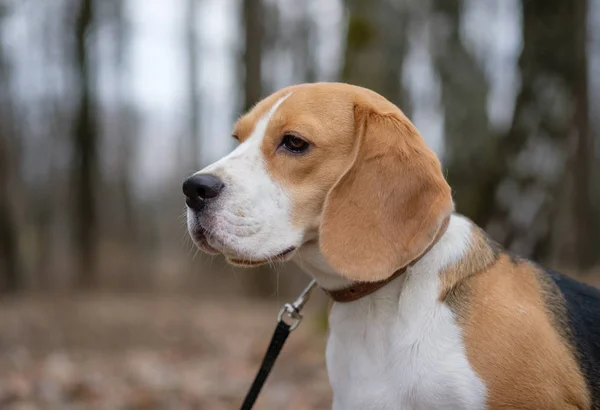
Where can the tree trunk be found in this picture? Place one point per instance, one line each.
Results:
(10, 266)
(585, 217)
(85, 141)
(464, 91)
(194, 100)
(253, 50)
(11, 269)
(306, 51)
(376, 45)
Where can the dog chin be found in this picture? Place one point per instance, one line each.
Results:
(250, 262)
(245, 263)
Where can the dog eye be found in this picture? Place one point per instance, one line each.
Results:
(294, 144)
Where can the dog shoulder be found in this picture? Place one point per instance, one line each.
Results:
(527, 331)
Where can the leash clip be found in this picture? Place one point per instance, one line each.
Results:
(292, 316)
(292, 311)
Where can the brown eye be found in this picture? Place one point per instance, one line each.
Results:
(294, 144)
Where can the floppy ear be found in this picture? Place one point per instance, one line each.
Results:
(389, 205)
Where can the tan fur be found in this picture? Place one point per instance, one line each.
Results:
(369, 224)
(510, 326)
(393, 220)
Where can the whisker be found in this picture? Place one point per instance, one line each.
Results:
(235, 276)
(277, 276)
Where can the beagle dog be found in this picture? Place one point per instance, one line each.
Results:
(428, 312)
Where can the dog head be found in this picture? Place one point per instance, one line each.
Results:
(325, 162)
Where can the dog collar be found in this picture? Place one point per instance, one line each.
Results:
(359, 290)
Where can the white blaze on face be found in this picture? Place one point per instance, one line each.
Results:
(251, 219)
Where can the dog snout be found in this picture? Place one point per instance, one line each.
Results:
(200, 189)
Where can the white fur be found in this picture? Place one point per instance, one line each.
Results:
(251, 219)
(400, 348)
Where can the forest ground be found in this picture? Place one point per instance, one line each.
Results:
(148, 352)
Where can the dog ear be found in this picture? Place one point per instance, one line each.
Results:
(387, 208)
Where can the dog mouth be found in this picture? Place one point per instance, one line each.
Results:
(200, 235)
(248, 262)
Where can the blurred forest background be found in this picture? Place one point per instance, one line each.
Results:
(107, 105)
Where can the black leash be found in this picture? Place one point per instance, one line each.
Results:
(282, 331)
(289, 318)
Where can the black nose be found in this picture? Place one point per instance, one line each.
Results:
(200, 188)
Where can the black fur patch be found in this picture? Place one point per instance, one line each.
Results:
(583, 315)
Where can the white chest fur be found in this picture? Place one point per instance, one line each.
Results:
(399, 348)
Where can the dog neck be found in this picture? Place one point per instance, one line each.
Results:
(310, 259)
(342, 290)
